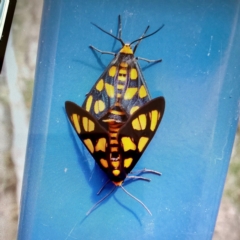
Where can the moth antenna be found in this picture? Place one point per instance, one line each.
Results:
(119, 39)
(136, 199)
(141, 38)
(100, 201)
(119, 27)
(135, 47)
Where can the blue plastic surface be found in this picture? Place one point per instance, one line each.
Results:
(200, 80)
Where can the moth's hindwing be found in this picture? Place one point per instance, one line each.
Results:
(90, 132)
(133, 137)
(122, 82)
(138, 131)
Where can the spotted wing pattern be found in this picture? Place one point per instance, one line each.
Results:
(90, 132)
(121, 82)
(118, 150)
(139, 130)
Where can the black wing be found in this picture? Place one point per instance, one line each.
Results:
(123, 81)
(90, 132)
(139, 130)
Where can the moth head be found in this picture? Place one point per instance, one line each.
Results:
(126, 49)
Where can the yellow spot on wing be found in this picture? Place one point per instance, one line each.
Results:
(140, 123)
(85, 123)
(116, 172)
(133, 109)
(91, 125)
(136, 124)
(143, 121)
(89, 103)
(129, 94)
(115, 164)
(100, 85)
(133, 74)
(112, 71)
(99, 106)
(109, 89)
(88, 124)
(142, 143)
(154, 120)
(127, 162)
(128, 144)
(142, 92)
(101, 145)
(75, 120)
(89, 145)
(104, 163)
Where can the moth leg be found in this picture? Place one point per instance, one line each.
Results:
(149, 61)
(100, 201)
(145, 170)
(128, 193)
(102, 52)
(138, 178)
(105, 184)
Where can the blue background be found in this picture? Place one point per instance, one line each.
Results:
(199, 78)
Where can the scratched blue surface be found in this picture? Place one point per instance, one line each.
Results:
(200, 80)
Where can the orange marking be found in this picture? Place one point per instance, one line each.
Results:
(115, 164)
(113, 141)
(127, 162)
(114, 149)
(117, 183)
(101, 145)
(75, 120)
(128, 144)
(116, 172)
(104, 163)
(123, 64)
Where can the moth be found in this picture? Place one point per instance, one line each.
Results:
(118, 119)
(122, 82)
